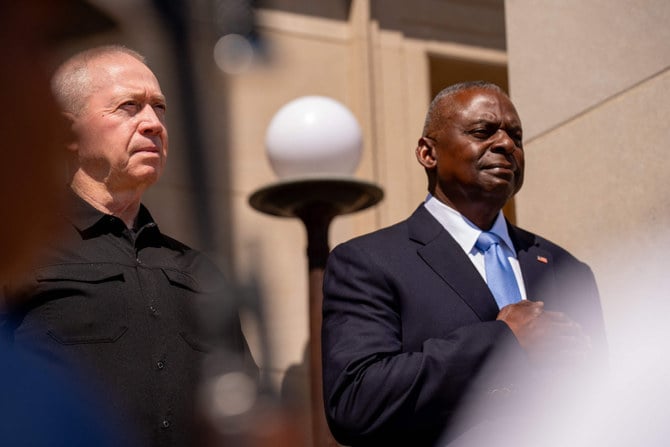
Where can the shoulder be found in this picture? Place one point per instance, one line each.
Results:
(418, 228)
(188, 254)
(525, 241)
(386, 239)
(177, 245)
(179, 256)
(390, 249)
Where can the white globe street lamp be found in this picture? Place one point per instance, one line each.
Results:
(314, 145)
(314, 136)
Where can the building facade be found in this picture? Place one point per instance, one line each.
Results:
(590, 81)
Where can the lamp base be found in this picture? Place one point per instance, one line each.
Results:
(289, 198)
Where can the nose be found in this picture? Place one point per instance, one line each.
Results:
(151, 123)
(504, 142)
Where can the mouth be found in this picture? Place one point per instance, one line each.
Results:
(502, 171)
(500, 167)
(146, 150)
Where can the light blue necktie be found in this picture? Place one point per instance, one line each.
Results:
(499, 274)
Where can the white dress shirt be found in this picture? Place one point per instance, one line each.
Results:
(466, 233)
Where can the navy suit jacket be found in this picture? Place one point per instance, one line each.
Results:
(409, 326)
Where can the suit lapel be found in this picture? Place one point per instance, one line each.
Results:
(447, 259)
(536, 264)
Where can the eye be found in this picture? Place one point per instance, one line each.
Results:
(517, 137)
(130, 105)
(481, 133)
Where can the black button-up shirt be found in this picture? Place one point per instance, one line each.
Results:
(124, 306)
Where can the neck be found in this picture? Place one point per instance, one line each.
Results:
(481, 214)
(484, 219)
(123, 204)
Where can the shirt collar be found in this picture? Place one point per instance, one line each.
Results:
(89, 220)
(462, 229)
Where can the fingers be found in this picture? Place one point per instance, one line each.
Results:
(522, 310)
(549, 337)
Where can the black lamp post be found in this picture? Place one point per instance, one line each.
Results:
(316, 199)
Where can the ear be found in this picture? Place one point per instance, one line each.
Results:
(69, 121)
(425, 154)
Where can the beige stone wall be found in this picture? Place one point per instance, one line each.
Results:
(592, 85)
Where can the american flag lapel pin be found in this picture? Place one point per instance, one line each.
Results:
(542, 259)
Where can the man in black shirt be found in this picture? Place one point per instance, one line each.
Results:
(113, 296)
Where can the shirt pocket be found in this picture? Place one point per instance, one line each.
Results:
(83, 304)
(191, 301)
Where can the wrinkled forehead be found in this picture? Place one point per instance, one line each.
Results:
(119, 67)
(122, 72)
(482, 103)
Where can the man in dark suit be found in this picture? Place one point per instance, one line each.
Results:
(413, 333)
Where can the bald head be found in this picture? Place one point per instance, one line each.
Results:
(72, 83)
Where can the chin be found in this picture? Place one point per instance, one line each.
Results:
(500, 186)
(147, 177)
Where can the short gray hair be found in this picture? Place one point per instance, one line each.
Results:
(435, 110)
(71, 84)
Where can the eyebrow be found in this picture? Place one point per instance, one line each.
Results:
(485, 121)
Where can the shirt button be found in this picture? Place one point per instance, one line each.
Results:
(160, 364)
(153, 310)
(165, 423)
